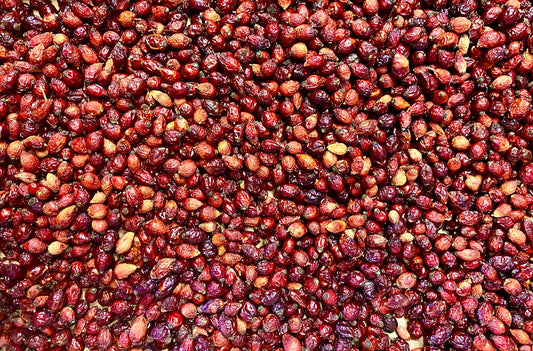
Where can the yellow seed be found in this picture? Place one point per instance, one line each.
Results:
(124, 270)
(399, 178)
(336, 226)
(517, 236)
(124, 243)
(57, 248)
(460, 143)
(161, 97)
(338, 149)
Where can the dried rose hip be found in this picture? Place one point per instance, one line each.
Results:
(266, 175)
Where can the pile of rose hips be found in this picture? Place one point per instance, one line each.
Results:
(266, 175)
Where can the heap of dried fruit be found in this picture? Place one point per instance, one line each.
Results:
(266, 175)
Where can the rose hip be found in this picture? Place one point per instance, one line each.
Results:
(265, 175)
